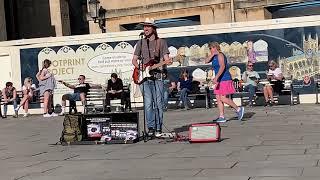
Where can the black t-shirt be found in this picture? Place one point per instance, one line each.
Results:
(82, 88)
(9, 93)
(118, 85)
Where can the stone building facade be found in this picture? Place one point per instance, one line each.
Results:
(45, 18)
(303, 63)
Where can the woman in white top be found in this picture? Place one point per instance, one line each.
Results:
(27, 89)
(275, 77)
(47, 83)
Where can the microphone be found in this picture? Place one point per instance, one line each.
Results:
(141, 34)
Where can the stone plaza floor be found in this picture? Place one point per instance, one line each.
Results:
(273, 143)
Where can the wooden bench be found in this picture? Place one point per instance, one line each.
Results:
(317, 92)
(36, 100)
(96, 100)
(202, 94)
(285, 97)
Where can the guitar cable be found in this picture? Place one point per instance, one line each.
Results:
(155, 100)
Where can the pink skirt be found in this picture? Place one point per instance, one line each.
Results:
(224, 88)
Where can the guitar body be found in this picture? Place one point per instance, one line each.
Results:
(140, 76)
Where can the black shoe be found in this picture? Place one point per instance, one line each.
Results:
(266, 104)
(4, 116)
(151, 132)
(122, 109)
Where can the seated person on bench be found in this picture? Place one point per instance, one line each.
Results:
(184, 86)
(9, 94)
(80, 91)
(250, 79)
(115, 90)
(28, 89)
(275, 78)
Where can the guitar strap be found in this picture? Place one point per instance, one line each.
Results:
(157, 50)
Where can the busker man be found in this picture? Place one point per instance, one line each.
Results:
(153, 52)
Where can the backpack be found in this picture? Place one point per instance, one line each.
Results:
(71, 129)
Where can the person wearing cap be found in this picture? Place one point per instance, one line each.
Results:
(154, 50)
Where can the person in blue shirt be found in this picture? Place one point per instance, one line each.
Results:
(251, 80)
(222, 82)
(184, 86)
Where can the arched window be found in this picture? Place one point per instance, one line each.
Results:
(309, 62)
(290, 67)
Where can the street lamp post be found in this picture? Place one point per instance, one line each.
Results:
(232, 10)
(98, 14)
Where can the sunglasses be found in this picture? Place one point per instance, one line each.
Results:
(250, 65)
(79, 79)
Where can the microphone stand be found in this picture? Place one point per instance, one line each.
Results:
(144, 133)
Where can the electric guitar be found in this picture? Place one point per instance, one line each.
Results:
(140, 76)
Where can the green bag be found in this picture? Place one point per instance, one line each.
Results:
(71, 129)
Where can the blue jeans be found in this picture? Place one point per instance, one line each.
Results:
(252, 90)
(184, 96)
(5, 106)
(165, 98)
(153, 103)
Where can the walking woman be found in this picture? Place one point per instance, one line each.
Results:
(47, 83)
(222, 81)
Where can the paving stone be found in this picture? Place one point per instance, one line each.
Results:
(311, 171)
(287, 152)
(284, 178)
(277, 163)
(313, 151)
(252, 172)
(277, 143)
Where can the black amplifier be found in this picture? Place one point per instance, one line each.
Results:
(111, 127)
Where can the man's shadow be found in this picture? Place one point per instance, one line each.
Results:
(246, 116)
(185, 128)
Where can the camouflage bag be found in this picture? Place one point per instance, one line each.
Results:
(71, 129)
